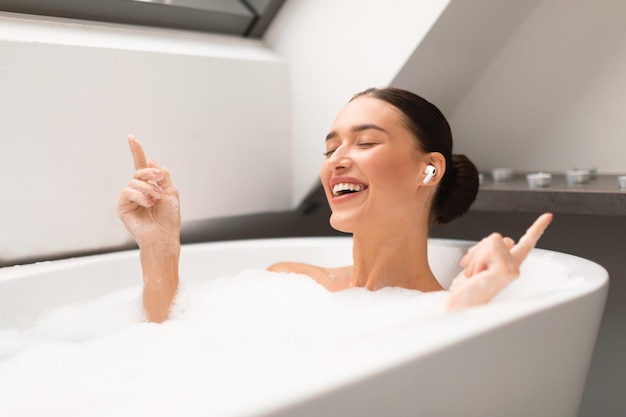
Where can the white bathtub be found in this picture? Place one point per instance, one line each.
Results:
(525, 354)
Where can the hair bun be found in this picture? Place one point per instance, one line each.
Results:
(457, 190)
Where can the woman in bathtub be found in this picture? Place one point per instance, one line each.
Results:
(389, 172)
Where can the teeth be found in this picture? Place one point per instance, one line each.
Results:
(344, 186)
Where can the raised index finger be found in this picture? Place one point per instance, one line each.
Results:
(530, 238)
(139, 156)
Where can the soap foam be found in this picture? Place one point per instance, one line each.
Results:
(229, 341)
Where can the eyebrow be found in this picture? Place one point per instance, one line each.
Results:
(358, 128)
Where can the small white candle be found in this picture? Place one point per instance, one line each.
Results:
(539, 179)
(502, 174)
(578, 176)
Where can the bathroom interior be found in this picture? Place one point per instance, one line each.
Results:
(240, 118)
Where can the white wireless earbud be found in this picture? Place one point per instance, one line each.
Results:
(430, 172)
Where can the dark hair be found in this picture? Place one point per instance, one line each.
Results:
(459, 185)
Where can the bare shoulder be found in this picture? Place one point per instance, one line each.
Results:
(334, 279)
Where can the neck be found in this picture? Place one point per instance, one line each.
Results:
(396, 258)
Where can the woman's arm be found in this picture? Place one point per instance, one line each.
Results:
(149, 208)
(160, 280)
(491, 265)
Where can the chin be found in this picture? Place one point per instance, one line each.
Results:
(341, 224)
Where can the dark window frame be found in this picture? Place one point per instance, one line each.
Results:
(245, 18)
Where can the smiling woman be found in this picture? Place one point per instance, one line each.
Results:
(389, 173)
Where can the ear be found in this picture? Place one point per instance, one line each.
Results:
(433, 169)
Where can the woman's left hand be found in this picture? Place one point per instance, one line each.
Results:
(491, 265)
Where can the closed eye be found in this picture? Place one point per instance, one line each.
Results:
(367, 144)
(329, 153)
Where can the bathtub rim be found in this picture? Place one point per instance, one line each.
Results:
(575, 264)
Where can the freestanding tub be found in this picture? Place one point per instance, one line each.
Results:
(525, 354)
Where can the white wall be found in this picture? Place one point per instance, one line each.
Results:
(336, 48)
(541, 89)
(212, 109)
(241, 123)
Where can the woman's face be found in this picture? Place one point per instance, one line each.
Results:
(373, 171)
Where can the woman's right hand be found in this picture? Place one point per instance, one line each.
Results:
(149, 205)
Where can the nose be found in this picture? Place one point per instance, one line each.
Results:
(339, 159)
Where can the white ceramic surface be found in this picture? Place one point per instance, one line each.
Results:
(525, 353)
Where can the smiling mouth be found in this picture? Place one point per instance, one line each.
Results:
(347, 188)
